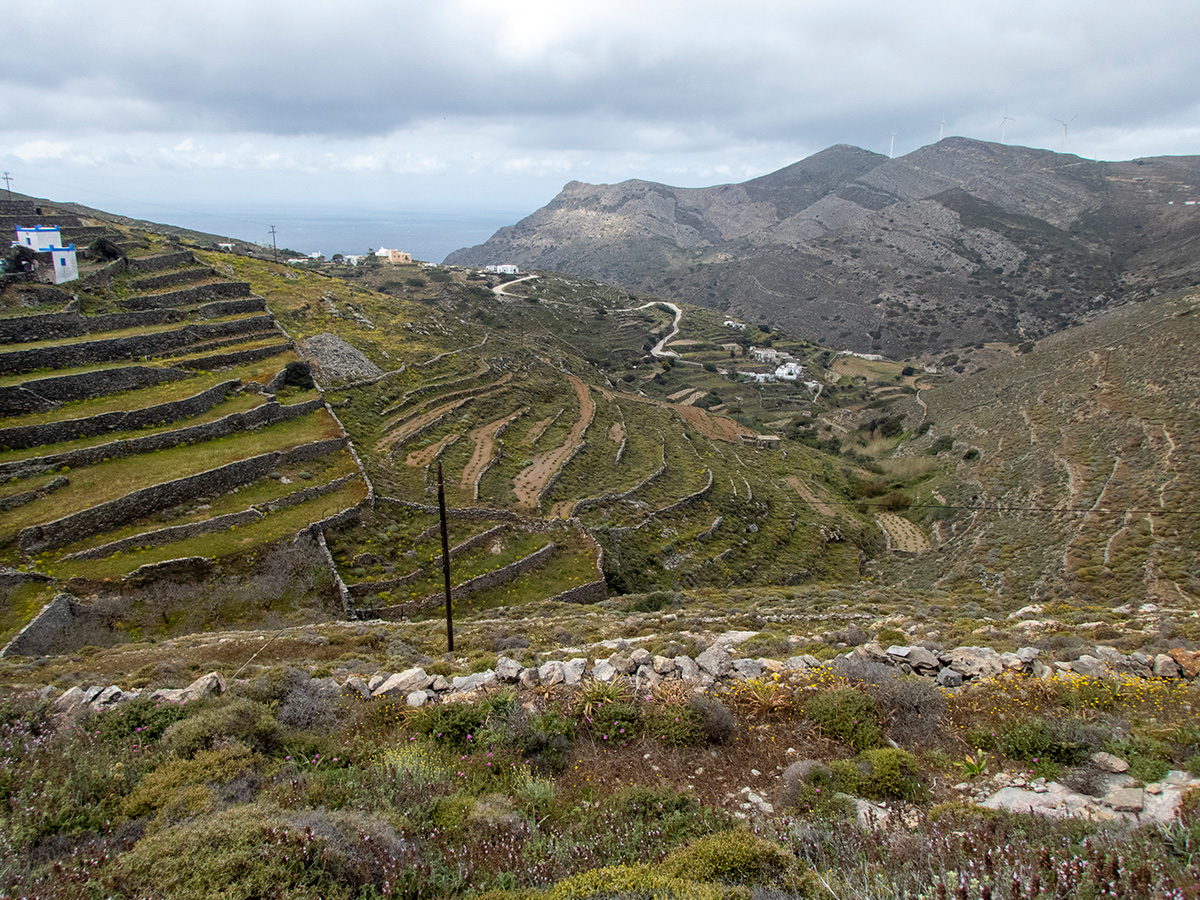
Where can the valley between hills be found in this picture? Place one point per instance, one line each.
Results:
(708, 568)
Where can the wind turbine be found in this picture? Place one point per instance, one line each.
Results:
(892, 151)
(1007, 118)
(1063, 148)
(942, 127)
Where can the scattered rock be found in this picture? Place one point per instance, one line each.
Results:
(715, 661)
(975, 662)
(551, 673)
(573, 670)
(414, 679)
(1187, 660)
(507, 670)
(949, 678)
(1165, 667)
(1106, 762)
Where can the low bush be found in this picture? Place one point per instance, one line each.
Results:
(847, 715)
(144, 718)
(638, 883)
(245, 721)
(259, 851)
(675, 725)
(716, 721)
(734, 856)
(616, 721)
(207, 767)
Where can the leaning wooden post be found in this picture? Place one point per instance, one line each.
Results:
(446, 561)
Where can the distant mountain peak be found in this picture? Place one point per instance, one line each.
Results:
(957, 242)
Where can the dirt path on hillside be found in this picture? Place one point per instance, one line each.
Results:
(485, 448)
(426, 455)
(616, 432)
(809, 497)
(532, 480)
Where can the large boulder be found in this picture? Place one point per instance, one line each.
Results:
(715, 661)
(917, 657)
(1165, 667)
(975, 662)
(415, 679)
(507, 670)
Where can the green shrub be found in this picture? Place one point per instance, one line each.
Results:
(846, 715)
(891, 774)
(239, 720)
(207, 767)
(1035, 740)
(675, 725)
(143, 717)
(616, 721)
(716, 721)
(649, 804)
(638, 883)
(728, 856)
(545, 739)
(257, 850)
(454, 724)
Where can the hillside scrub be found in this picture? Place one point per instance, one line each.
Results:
(543, 794)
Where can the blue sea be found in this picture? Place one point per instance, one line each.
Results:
(429, 236)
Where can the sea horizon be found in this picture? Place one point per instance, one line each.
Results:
(429, 235)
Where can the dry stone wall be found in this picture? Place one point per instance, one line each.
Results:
(171, 279)
(23, 436)
(170, 534)
(41, 394)
(65, 356)
(204, 293)
(234, 423)
(162, 261)
(53, 326)
(219, 360)
(138, 504)
(46, 630)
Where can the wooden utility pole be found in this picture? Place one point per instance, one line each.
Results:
(8, 184)
(446, 561)
(273, 245)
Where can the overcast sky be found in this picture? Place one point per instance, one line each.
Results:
(476, 105)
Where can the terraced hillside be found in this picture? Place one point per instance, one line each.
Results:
(156, 421)
(1072, 470)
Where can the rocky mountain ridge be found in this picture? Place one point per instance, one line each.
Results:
(959, 242)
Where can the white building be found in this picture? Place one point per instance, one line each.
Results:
(38, 237)
(730, 323)
(66, 266)
(504, 269)
(789, 371)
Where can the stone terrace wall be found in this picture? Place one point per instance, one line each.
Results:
(172, 279)
(65, 356)
(230, 307)
(219, 360)
(162, 261)
(116, 513)
(22, 436)
(234, 423)
(170, 534)
(38, 395)
(465, 589)
(45, 631)
(52, 326)
(222, 290)
(103, 276)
